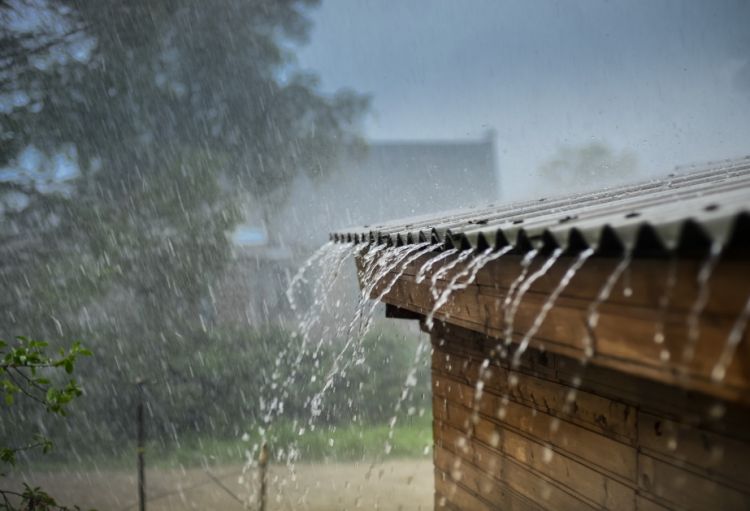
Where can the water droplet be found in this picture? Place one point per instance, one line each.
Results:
(547, 454)
(554, 425)
(495, 439)
(717, 411)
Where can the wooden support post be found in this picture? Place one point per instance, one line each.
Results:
(263, 465)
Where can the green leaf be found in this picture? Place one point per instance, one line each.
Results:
(8, 455)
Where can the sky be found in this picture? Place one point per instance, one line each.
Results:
(667, 80)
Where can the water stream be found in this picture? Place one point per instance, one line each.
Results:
(389, 261)
(470, 272)
(299, 276)
(592, 316)
(523, 288)
(719, 371)
(509, 297)
(445, 270)
(664, 301)
(704, 292)
(380, 269)
(549, 303)
(422, 273)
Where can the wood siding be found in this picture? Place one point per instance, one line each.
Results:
(554, 435)
(624, 336)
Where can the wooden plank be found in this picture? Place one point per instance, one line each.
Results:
(644, 504)
(595, 412)
(685, 489)
(441, 501)
(456, 496)
(599, 451)
(476, 463)
(623, 338)
(503, 443)
(714, 456)
(476, 481)
(730, 281)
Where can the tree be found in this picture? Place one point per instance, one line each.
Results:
(172, 114)
(589, 165)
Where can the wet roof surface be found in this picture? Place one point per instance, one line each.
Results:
(697, 208)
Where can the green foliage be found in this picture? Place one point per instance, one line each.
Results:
(31, 499)
(27, 370)
(176, 115)
(215, 391)
(24, 369)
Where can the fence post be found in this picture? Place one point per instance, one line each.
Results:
(263, 465)
(141, 447)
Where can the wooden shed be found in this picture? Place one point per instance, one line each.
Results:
(589, 351)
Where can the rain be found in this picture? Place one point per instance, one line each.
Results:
(344, 254)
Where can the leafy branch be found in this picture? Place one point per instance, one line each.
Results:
(26, 370)
(22, 371)
(31, 499)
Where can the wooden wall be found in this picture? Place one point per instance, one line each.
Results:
(622, 443)
(624, 336)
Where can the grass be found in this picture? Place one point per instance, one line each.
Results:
(412, 438)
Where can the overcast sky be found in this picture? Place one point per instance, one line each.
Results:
(661, 78)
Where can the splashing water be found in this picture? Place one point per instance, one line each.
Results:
(329, 261)
(331, 265)
(549, 303)
(733, 340)
(592, 317)
(379, 268)
(472, 270)
(299, 276)
(360, 324)
(325, 264)
(411, 254)
(523, 288)
(704, 292)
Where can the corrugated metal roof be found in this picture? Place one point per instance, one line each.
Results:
(685, 211)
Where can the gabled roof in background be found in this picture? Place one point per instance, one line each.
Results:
(359, 189)
(688, 211)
